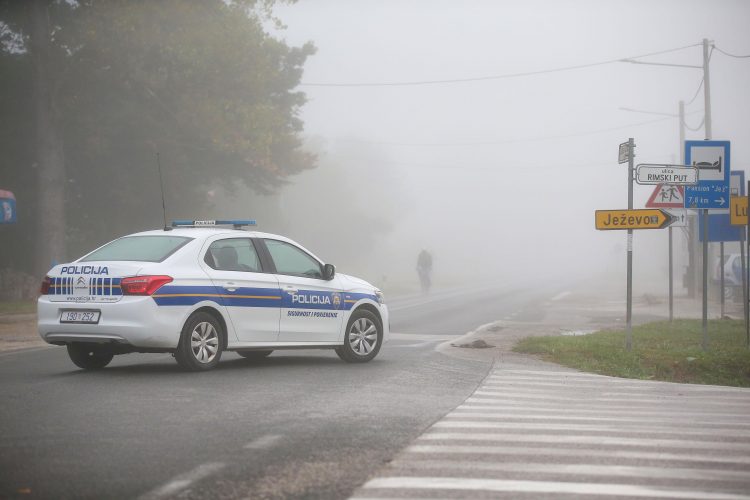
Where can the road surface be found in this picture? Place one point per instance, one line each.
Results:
(298, 424)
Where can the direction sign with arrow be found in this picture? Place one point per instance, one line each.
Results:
(712, 160)
(632, 219)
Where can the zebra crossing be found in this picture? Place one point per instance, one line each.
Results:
(533, 433)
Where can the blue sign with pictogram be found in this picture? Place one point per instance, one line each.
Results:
(711, 158)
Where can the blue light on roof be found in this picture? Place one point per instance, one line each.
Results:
(237, 223)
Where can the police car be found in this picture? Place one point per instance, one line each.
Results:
(198, 289)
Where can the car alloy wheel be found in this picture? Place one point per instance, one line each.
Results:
(204, 342)
(363, 336)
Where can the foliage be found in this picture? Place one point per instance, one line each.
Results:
(200, 82)
(661, 351)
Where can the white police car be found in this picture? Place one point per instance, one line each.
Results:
(197, 290)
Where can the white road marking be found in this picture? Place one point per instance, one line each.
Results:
(576, 396)
(535, 451)
(511, 486)
(494, 404)
(720, 446)
(263, 442)
(583, 469)
(556, 432)
(509, 415)
(642, 428)
(555, 403)
(560, 296)
(183, 481)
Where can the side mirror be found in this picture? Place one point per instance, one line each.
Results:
(329, 271)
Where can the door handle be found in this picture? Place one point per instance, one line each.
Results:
(290, 289)
(231, 287)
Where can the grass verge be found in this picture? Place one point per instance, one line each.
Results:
(18, 307)
(661, 351)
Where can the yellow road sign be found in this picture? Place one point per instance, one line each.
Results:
(632, 219)
(738, 210)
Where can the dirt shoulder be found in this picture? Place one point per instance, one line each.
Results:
(18, 331)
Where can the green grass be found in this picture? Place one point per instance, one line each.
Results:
(661, 351)
(18, 307)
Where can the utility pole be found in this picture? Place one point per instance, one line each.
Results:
(629, 308)
(707, 127)
(707, 88)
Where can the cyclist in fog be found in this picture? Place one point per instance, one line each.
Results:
(424, 270)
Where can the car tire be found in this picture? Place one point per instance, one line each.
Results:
(89, 356)
(363, 338)
(201, 343)
(254, 355)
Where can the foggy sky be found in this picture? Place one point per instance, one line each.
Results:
(525, 205)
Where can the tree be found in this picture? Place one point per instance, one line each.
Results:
(201, 82)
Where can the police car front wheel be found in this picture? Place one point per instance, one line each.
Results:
(89, 356)
(363, 338)
(200, 344)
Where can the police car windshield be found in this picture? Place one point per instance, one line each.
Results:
(138, 248)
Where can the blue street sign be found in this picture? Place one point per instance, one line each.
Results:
(711, 158)
(7, 207)
(719, 227)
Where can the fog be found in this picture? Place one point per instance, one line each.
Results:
(483, 131)
(499, 178)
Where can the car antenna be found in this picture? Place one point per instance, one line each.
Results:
(161, 185)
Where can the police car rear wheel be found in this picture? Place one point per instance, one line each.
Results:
(363, 338)
(89, 356)
(200, 344)
(254, 355)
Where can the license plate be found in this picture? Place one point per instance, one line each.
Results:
(79, 316)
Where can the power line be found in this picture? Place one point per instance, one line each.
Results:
(730, 55)
(493, 77)
(512, 141)
(700, 85)
(700, 125)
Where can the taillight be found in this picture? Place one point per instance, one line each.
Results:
(143, 285)
(46, 283)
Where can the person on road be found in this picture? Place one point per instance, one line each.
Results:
(424, 270)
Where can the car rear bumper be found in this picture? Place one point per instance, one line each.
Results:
(135, 321)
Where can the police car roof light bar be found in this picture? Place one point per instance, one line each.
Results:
(236, 223)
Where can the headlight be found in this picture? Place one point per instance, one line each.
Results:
(380, 296)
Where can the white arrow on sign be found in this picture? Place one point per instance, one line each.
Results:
(676, 175)
(721, 201)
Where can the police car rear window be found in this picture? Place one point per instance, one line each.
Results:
(138, 248)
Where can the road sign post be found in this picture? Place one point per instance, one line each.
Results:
(712, 159)
(672, 198)
(629, 307)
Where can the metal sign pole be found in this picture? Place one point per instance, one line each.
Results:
(704, 343)
(721, 278)
(671, 279)
(744, 278)
(747, 276)
(629, 308)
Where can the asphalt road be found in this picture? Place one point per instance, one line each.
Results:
(298, 424)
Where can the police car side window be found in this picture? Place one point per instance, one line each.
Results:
(236, 254)
(289, 259)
